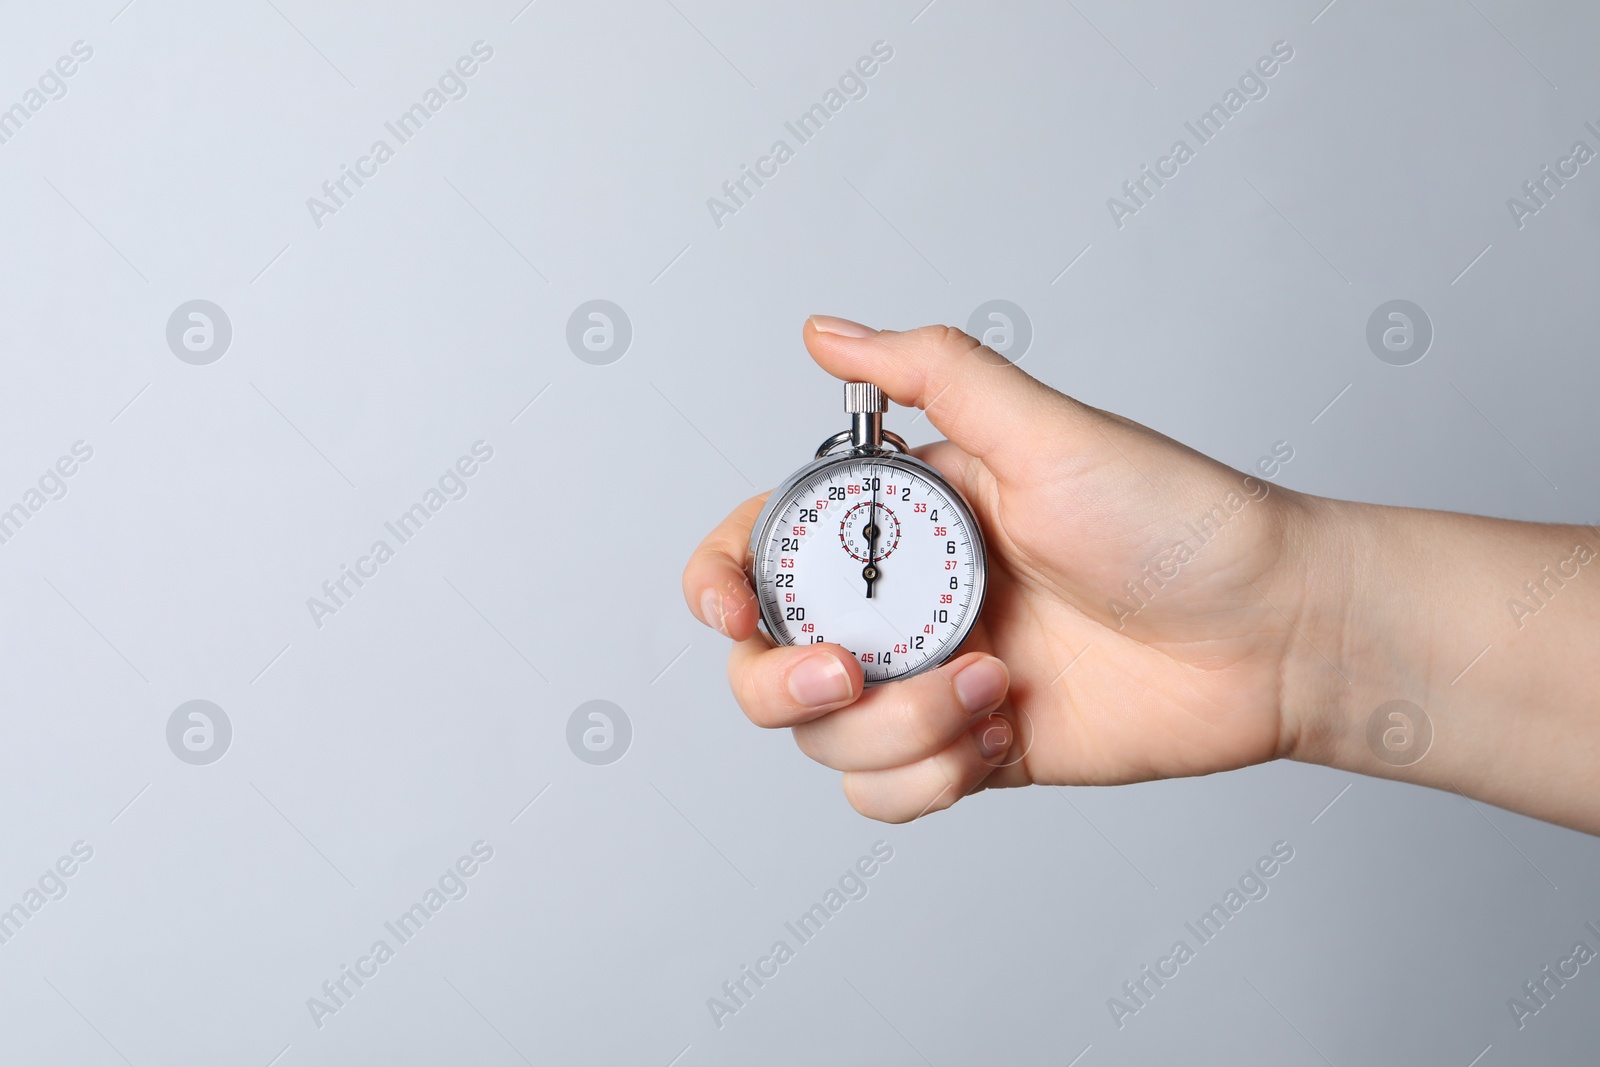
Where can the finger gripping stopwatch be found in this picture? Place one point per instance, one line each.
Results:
(869, 547)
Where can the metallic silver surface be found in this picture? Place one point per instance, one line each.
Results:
(861, 398)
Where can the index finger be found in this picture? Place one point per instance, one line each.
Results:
(714, 582)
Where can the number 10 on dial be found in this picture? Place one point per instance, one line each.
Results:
(870, 548)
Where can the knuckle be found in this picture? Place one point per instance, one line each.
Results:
(925, 712)
(869, 800)
(850, 783)
(959, 339)
(952, 775)
(727, 541)
(806, 741)
(730, 538)
(940, 336)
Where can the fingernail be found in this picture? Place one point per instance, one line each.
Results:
(711, 612)
(818, 681)
(842, 327)
(995, 738)
(980, 685)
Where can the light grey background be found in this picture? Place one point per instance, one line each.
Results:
(372, 351)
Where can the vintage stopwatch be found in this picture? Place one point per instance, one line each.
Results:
(870, 548)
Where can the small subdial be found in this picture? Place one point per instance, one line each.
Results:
(869, 532)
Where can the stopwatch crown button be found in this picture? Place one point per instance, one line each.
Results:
(864, 398)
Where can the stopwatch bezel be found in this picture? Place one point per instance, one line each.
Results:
(892, 458)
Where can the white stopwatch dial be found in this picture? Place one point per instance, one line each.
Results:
(868, 547)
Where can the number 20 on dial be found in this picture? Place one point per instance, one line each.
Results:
(870, 548)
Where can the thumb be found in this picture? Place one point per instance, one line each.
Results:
(977, 398)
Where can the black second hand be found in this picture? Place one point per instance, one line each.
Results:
(871, 572)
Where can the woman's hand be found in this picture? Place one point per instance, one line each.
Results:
(1140, 615)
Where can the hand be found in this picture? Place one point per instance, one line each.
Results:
(1139, 616)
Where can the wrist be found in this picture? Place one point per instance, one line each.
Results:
(1359, 639)
(1410, 659)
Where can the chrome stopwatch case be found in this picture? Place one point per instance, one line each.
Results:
(870, 548)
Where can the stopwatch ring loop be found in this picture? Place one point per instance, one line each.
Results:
(844, 437)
